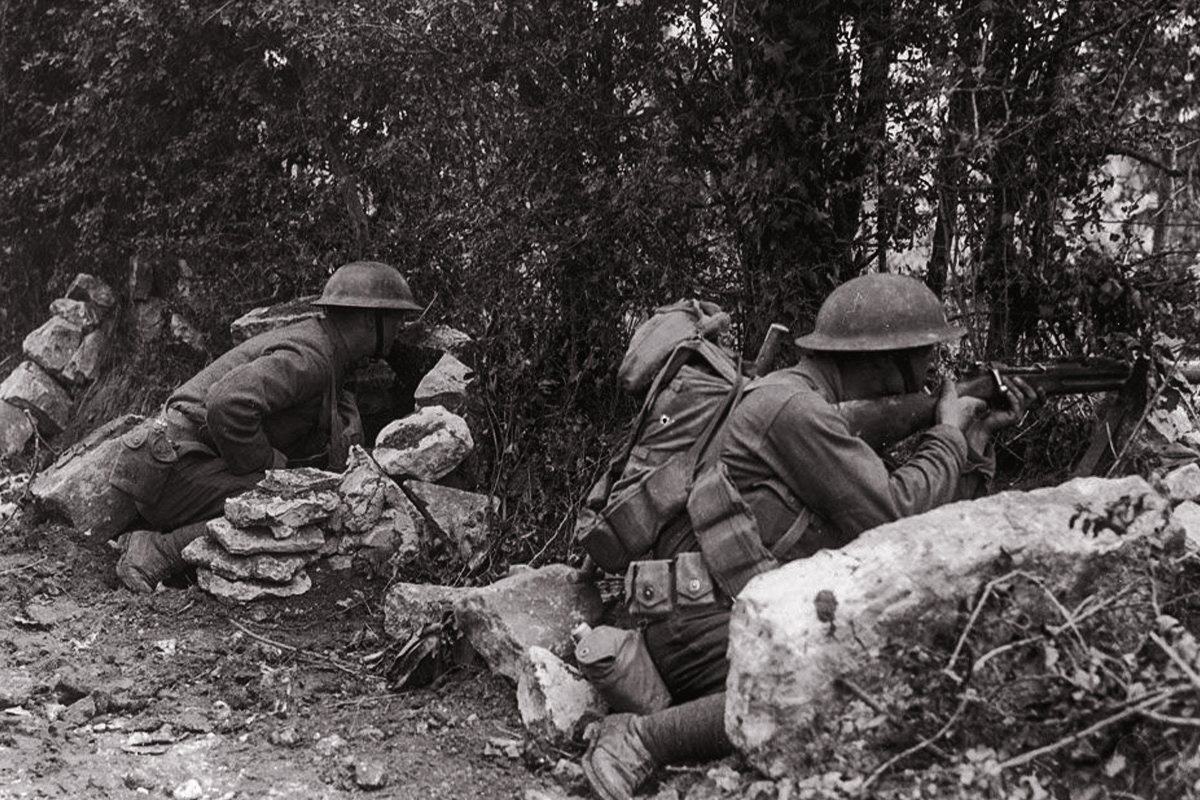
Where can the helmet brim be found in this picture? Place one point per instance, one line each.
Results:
(822, 343)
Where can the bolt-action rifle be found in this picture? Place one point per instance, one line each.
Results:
(887, 420)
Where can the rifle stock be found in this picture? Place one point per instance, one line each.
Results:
(886, 420)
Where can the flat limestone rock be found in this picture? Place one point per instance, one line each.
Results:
(284, 515)
(240, 541)
(244, 591)
(53, 344)
(292, 482)
(30, 387)
(206, 552)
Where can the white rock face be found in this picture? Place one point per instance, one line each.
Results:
(796, 629)
(555, 702)
(426, 445)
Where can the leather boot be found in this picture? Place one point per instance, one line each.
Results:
(617, 761)
(150, 557)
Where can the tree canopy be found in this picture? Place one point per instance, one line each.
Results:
(546, 171)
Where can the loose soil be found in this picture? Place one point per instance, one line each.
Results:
(107, 694)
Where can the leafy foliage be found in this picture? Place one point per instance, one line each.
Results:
(547, 171)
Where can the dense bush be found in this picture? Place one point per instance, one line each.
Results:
(547, 171)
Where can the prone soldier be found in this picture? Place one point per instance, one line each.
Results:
(809, 483)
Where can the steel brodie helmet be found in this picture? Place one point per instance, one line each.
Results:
(880, 312)
(367, 284)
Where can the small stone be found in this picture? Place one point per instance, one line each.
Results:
(284, 737)
(1183, 483)
(328, 745)
(369, 775)
(77, 312)
(188, 790)
(90, 288)
(140, 779)
(258, 508)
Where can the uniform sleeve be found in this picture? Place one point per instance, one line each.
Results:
(842, 479)
(238, 403)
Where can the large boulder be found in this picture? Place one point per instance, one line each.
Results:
(796, 631)
(29, 387)
(529, 608)
(76, 486)
(427, 445)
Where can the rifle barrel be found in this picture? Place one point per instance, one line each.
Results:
(885, 421)
(1071, 377)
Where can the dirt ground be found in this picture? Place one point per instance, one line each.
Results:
(106, 694)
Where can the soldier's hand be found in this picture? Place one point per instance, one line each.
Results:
(1018, 397)
(960, 412)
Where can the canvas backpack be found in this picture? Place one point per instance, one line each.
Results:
(694, 382)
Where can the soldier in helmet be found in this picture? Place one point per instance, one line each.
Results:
(274, 401)
(809, 484)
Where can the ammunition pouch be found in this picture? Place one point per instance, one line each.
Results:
(656, 588)
(630, 523)
(618, 665)
(727, 531)
(144, 462)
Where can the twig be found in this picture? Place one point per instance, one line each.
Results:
(24, 566)
(983, 659)
(879, 708)
(1069, 619)
(1178, 659)
(300, 652)
(1030, 755)
(1183, 722)
(885, 766)
(962, 639)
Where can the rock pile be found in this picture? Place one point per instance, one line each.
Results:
(268, 535)
(62, 356)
